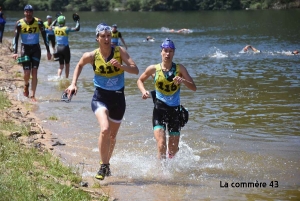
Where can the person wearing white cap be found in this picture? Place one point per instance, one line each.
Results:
(168, 78)
(108, 103)
(50, 32)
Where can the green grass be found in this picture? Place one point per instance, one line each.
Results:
(27, 174)
(30, 174)
(4, 102)
(53, 118)
(12, 127)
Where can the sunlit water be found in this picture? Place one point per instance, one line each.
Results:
(244, 116)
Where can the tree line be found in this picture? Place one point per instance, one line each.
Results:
(148, 5)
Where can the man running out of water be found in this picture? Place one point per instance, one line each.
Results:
(168, 78)
(29, 28)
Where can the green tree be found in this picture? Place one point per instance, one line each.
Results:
(12, 5)
(133, 5)
(99, 5)
(57, 5)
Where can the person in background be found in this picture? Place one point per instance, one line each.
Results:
(168, 78)
(63, 52)
(2, 24)
(50, 32)
(29, 28)
(150, 38)
(249, 47)
(115, 35)
(295, 52)
(108, 102)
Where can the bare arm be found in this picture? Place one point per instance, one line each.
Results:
(150, 70)
(87, 58)
(76, 28)
(130, 66)
(124, 43)
(185, 78)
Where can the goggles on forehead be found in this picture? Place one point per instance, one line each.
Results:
(101, 28)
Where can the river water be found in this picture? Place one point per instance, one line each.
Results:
(244, 117)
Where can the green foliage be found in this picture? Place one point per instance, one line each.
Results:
(255, 6)
(54, 118)
(27, 174)
(4, 102)
(145, 5)
(57, 5)
(10, 126)
(133, 5)
(98, 5)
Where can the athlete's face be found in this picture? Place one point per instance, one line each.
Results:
(28, 14)
(167, 54)
(104, 38)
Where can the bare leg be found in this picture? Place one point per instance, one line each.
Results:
(34, 81)
(108, 133)
(26, 82)
(67, 70)
(114, 128)
(160, 136)
(26, 76)
(61, 67)
(173, 144)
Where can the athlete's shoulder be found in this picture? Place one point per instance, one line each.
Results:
(88, 57)
(20, 20)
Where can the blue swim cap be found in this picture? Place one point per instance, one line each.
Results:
(28, 7)
(102, 27)
(168, 44)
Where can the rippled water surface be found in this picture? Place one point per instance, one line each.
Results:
(244, 116)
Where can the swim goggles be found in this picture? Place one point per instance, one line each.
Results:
(102, 27)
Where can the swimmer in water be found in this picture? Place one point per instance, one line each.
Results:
(249, 47)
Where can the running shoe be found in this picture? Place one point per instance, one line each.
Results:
(102, 172)
(64, 97)
(108, 173)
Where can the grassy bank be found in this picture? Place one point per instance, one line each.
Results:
(32, 173)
